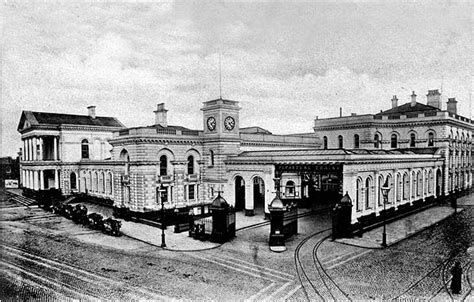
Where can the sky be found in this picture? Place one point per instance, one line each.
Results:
(285, 62)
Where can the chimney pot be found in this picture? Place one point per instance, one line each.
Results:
(452, 106)
(433, 98)
(161, 115)
(91, 111)
(413, 99)
(394, 101)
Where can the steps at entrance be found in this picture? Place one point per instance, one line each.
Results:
(26, 201)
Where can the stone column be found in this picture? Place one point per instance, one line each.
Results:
(423, 185)
(55, 148)
(376, 193)
(41, 155)
(41, 180)
(249, 202)
(24, 150)
(30, 149)
(56, 179)
(35, 180)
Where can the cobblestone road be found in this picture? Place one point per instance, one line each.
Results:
(47, 256)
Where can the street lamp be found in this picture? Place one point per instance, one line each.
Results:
(159, 194)
(385, 189)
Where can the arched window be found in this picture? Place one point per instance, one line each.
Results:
(94, 182)
(414, 184)
(358, 194)
(212, 157)
(368, 185)
(406, 186)
(109, 183)
(190, 164)
(376, 141)
(290, 188)
(430, 182)
(431, 139)
(394, 141)
(356, 141)
(340, 142)
(126, 158)
(85, 148)
(325, 142)
(102, 183)
(73, 181)
(163, 165)
(412, 140)
(419, 190)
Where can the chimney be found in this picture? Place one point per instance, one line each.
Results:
(160, 115)
(452, 105)
(413, 99)
(433, 98)
(353, 114)
(340, 111)
(394, 101)
(91, 111)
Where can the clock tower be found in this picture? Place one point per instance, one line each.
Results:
(221, 139)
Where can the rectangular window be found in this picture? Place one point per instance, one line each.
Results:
(191, 192)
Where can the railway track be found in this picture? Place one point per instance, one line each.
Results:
(314, 281)
(67, 281)
(333, 289)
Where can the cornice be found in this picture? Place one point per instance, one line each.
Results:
(152, 140)
(392, 124)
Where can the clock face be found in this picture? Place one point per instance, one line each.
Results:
(211, 123)
(229, 123)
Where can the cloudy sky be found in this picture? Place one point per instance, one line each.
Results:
(285, 62)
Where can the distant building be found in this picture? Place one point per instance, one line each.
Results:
(9, 170)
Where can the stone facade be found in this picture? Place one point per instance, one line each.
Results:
(412, 126)
(422, 150)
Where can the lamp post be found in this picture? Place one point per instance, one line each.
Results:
(159, 194)
(385, 189)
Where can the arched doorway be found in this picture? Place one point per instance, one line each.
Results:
(439, 182)
(239, 193)
(259, 195)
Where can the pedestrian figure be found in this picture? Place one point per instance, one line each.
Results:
(456, 271)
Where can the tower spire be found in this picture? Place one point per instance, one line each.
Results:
(220, 76)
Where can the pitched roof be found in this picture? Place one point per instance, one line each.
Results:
(48, 118)
(170, 127)
(408, 108)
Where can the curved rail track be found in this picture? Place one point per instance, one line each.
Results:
(315, 281)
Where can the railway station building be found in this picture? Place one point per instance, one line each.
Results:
(422, 150)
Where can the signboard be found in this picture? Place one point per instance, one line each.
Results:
(11, 184)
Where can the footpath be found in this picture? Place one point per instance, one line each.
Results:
(396, 230)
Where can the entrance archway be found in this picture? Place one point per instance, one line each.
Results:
(259, 195)
(239, 193)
